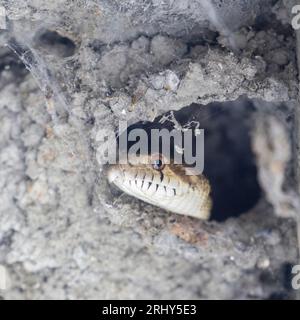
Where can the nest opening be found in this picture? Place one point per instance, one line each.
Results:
(54, 43)
(230, 162)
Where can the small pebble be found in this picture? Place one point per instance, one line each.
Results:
(263, 263)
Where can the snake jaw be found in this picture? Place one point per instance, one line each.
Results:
(170, 188)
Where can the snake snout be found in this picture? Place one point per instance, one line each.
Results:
(113, 174)
(166, 188)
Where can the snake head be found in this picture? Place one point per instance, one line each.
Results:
(155, 179)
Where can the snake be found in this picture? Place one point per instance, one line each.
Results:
(163, 183)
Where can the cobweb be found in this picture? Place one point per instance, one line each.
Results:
(57, 105)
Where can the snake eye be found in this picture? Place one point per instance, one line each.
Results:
(158, 164)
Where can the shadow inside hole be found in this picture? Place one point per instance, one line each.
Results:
(229, 161)
(52, 42)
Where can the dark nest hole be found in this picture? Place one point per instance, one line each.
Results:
(54, 43)
(16, 67)
(229, 162)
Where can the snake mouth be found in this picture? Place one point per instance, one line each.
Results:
(146, 183)
(163, 189)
